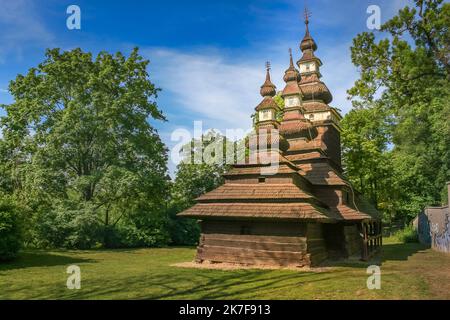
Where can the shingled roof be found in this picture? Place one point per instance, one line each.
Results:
(261, 191)
(290, 211)
(302, 173)
(321, 173)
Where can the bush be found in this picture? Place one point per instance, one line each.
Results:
(407, 235)
(70, 228)
(10, 231)
(183, 231)
(79, 226)
(143, 229)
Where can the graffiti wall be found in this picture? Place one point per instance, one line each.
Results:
(433, 227)
(440, 237)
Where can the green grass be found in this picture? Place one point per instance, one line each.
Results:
(409, 271)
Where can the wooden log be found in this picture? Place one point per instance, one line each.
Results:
(263, 238)
(257, 245)
(251, 252)
(236, 255)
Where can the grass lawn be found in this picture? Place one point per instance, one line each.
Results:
(409, 271)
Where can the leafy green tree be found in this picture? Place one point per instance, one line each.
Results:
(81, 148)
(10, 228)
(405, 78)
(366, 156)
(194, 179)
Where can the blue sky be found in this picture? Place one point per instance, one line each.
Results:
(207, 56)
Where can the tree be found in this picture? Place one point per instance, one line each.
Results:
(406, 79)
(10, 228)
(366, 156)
(81, 148)
(194, 179)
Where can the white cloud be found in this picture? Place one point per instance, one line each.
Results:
(339, 74)
(221, 93)
(21, 26)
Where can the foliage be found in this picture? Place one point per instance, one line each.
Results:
(10, 229)
(407, 235)
(143, 230)
(280, 102)
(397, 139)
(366, 160)
(192, 180)
(69, 225)
(79, 149)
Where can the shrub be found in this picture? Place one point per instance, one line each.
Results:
(10, 231)
(78, 226)
(63, 226)
(407, 235)
(183, 231)
(143, 229)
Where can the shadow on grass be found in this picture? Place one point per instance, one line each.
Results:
(29, 259)
(389, 252)
(401, 251)
(207, 285)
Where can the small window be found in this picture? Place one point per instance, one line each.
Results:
(261, 179)
(292, 101)
(311, 116)
(265, 115)
(288, 102)
(307, 67)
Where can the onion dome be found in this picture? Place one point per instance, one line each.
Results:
(268, 89)
(291, 73)
(267, 138)
(291, 77)
(312, 88)
(315, 106)
(308, 45)
(295, 124)
(316, 91)
(308, 42)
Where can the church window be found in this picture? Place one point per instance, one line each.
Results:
(265, 115)
(292, 101)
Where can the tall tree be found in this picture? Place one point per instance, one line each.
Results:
(79, 139)
(405, 78)
(195, 176)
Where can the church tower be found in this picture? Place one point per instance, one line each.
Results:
(301, 211)
(267, 110)
(316, 99)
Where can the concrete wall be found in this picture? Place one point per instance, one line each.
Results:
(433, 227)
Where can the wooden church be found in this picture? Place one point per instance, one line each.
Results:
(303, 212)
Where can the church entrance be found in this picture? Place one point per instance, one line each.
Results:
(334, 240)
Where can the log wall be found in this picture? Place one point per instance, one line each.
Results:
(251, 242)
(262, 243)
(353, 240)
